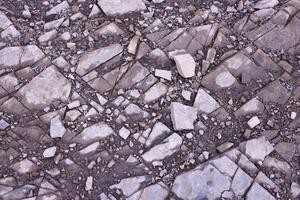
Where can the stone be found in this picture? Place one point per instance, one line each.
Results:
(54, 24)
(295, 190)
(263, 4)
(49, 152)
(240, 183)
(121, 7)
(134, 110)
(90, 148)
(130, 185)
(50, 85)
(225, 165)
(257, 149)
(94, 133)
(155, 92)
(89, 183)
(168, 146)
(24, 166)
(158, 130)
(286, 150)
(95, 11)
(204, 182)
(205, 103)
(183, 116)
(185, 65)
(57, 129)
(124, 133)
(16, 56)
(58, 8)
(251, 107)
(254, 121)
(186, 94)
(257, 192)
(50, 35)
(5, 22)
(158, 1)
(93, 59)
(3, 124)
(157, 191)
(133, 45)
(110, 29)
(10, 32)
(225, 79)
(166, 74)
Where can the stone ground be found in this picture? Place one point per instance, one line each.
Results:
(149, 99)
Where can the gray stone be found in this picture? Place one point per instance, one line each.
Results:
(166, 74)
(130, 185)
(257, 192)
(3, 124)
(54, 24)
(241, 182)
(252, 106)
(48, 86)
(47, 36)
(49, 152)
(158, 130)
(5, 22)
(183, 116)
(92, 60)
(24, 166)
(155, 92)
(263, 4)
(257, 149)
(58, 8)
(121, 7)
(168, 146)
(295, 190)
(205, 103)
(110, 29)
(225, 165)
(57, 129)
(204, 182)
(94, 133)
(286, 150)
(185, 65)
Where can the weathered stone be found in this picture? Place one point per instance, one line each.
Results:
(47, 36)
(257, 149)
(263, 4)
(158, 130)
(89, 183)
(54, 24)
(92, 60)
(225, 165)
(130, 185)
(24, 166)
(169, 146)
(110, 29)
(48, 86)
(241, 182)
(58, 8)
(204, 182)
(185, 65)
(49, 152)
(254, 121)
(155, 92)
(124, 133)
(252, 106)
(94, 133)
(183, 116)
(205, 103)
(295, 190)
(286, 150)
(257, 192)
(164, 74)
(3, 124)
(57, 129)
(121, 7)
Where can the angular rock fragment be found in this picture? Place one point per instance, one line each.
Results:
(169, 146)
(252, 106)
(205, 103)
(155, 92)
(130, 185)
(47, 36)
(58, 8)
(158, 130)
(92, 60)
(164, 74)
(49, 152)
(241, 182)
(57, 129)
(185, 65)
(93, 133)
(48, 86)
(257, 149)
(204, 182)
(183, 116)
(257, 192)
(24, 166)
(254, 121)
(121, 7)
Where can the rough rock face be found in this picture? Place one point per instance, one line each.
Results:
(149, 99)
(48, 86)
(121, 7)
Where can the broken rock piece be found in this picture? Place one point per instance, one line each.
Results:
(183, 116)
(121, 7)
(185, 65)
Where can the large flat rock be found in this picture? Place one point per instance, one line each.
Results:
(121, 7)
(48, 86)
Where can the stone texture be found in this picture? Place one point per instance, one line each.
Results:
(185, 65)
(204, 102)
(182, 116)
(121, 7)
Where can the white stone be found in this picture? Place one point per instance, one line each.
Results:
(3, 124)
(263, 4)
(205, 103)
(168, 146)
(257, 192)
(124, 133)
(225, 79)
(186, 94)
(121, 7)
(10, 32)
(254, 121)
(58, 8)
(257, 149)
(95, 11)
(24, 166)
(57, 129)
(241, 182)
(47, 36)
(5, 22)
(94, 133)
(48, 86)
(158, 1)
(49, 152)
(295, 190)
(101, 99)
(157, 131)
(133, 44)
(183, 116)
(166, 74)
(293, 115)
(90, 148)
(93, 59)
(185, 65)
(89, 183)
(54, 24)
(110, 29)
(155, 92)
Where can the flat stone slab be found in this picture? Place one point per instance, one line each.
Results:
(48, 86)
(93, 59)
(121, 7)
(183, 116)
(205, 103)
